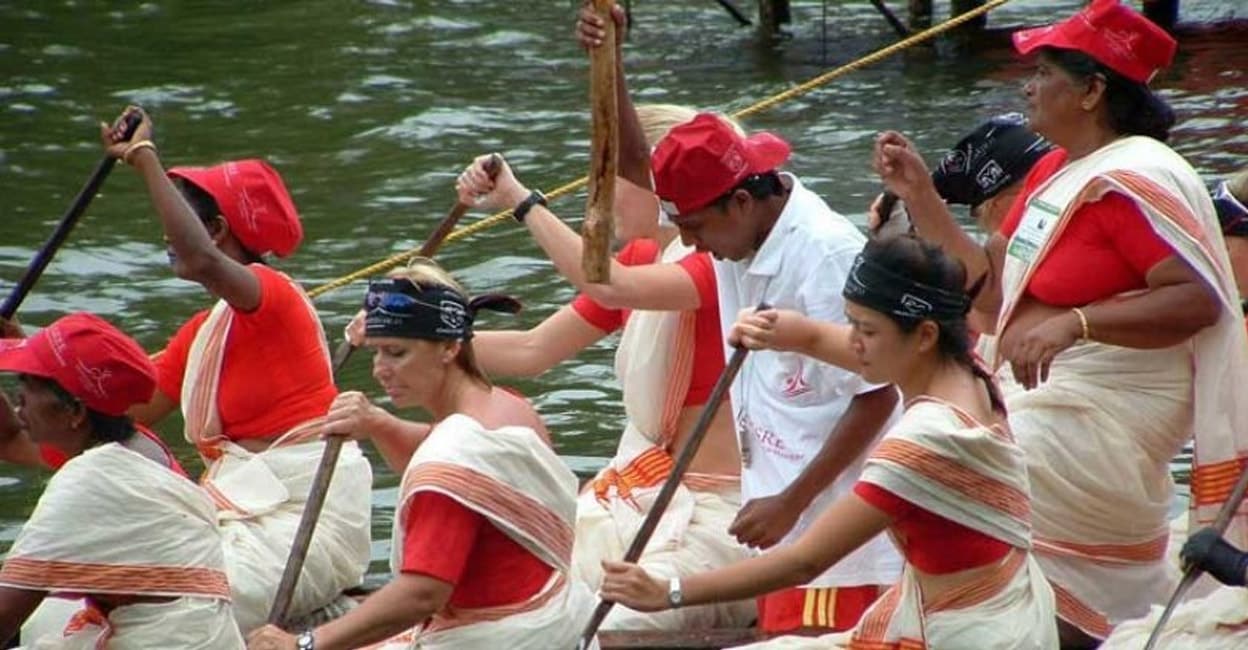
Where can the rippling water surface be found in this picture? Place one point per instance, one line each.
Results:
(369, 109)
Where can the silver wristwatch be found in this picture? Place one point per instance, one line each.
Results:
(305, 641)
(674, 595)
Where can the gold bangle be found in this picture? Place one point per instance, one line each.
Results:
(135, 146)
(1083, 324)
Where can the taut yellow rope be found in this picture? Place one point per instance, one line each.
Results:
(801, 89)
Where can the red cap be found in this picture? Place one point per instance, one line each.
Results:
(1111, 33)
(700, 160)
(253, 200)
(89, 358)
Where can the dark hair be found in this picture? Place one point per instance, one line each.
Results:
(104, 428)
(760, 186)
(1134, 109)
(205, 207)
(928, 264)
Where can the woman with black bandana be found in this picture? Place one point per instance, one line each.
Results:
(483, 529)
(947, 481)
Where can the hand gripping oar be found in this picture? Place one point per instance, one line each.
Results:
(333, 444)
(72, 215)
(1192, 573)
(683, 459)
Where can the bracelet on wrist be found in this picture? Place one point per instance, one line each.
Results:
(1085, 331)
(135, 147)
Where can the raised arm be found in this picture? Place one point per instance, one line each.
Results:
(843, 527)
(904, 173)
(634, 155)
(199, 258)
(649, 286)
(531, 352)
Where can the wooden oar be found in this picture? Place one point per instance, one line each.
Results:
(597, 229)
(1192, 573)
(683, 459)
(333, 445)
(76, 209)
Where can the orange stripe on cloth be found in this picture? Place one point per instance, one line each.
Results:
(872, 631)
(995, 494)
(648, 469)
(1167, 204)
(451, 618)
(496, 497)
(1074, 611)
(1139, 553)
(679, 375)
(1212, 483)
(91, 616)
(982, 588)
(87, 578)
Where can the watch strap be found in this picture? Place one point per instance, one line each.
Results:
(522, 210)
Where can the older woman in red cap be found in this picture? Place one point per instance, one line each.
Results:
(1115, 308)
(253, 378)
(150, 568)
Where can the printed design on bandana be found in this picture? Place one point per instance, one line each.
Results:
(453, 317)
(915, 305)
(990, 175)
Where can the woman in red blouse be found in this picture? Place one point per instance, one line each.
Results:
(1115, 310)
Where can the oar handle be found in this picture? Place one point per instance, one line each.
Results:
(431, 246)
(76, 209)
(668, 491)
(333, 444)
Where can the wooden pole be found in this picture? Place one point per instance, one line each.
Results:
(598, 227)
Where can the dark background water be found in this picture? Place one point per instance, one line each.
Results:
(370, 109)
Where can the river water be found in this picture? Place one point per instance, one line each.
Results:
(370, 109)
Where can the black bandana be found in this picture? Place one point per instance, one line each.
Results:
(399, 308)
(1232, 213)
(875, 287)
(990, 158)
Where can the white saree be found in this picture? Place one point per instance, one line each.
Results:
(1099, 434)
(260, 496)
(153, 535)
(513, 478)
(654, 362)
(941, 460)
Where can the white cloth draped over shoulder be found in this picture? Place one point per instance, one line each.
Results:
(152, 534)
(654, 362)
(260, 496)
(513, 478)
(1099, 434)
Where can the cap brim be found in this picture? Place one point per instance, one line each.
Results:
(17, 355)
(767, 152)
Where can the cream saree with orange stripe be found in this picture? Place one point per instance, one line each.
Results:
(152, 534)
(1099, 434)
(941, 460)
(514, 479)
(654, 362)
(260, 496)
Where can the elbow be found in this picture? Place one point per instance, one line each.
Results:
(1201, 308)
(196, 266)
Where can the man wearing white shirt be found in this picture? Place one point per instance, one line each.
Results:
(803, 426)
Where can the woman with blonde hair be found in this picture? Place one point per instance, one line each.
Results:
(482, 537)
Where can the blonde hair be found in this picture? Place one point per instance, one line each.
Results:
(1237, 185)
(657, 119)
(425, 272)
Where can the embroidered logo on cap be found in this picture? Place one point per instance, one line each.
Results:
(733, 160)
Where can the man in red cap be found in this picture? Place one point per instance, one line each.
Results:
(252, 377)
(155, 545)
(803, 426)
(1118, 330)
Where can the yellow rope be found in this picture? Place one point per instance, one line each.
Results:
(801, 89)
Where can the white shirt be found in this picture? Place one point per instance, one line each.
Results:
(785, 404)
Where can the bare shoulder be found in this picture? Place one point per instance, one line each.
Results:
(510, 408)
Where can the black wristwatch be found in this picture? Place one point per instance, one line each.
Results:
(305, 641)
(534, 198)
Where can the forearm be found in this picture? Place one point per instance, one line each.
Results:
(397, 439)
(564, 248)
(936, 224)
(187, 236)
(391, 610)
(776, 569)
(1157, 318)
(634, 158)
(827, 342)
(853, 434)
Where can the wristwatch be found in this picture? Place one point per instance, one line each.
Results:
(535, 197)
(305, 641)
(674, 595)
